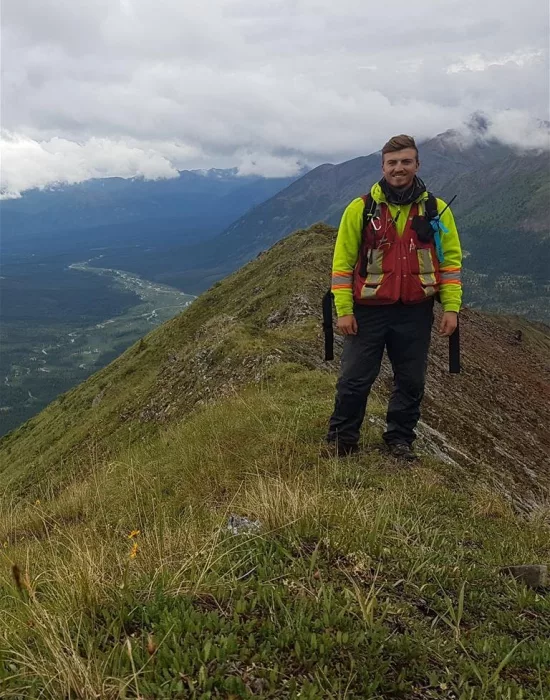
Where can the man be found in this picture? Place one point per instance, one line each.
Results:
(384, 281)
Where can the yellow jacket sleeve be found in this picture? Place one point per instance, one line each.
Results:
(346, 254)
(451, 283)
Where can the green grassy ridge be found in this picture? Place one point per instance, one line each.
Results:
(266, 313)
(365, 581)
(220, 340)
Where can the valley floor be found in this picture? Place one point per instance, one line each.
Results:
(42, 361)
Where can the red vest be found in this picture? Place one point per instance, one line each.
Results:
(394, 268)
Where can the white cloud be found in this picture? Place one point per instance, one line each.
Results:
(27, 163)
(520, 130)
(149, 86)
(268, 165)
(476, 62)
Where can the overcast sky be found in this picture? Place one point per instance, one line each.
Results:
(93, 88)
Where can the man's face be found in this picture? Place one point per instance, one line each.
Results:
(400, 167)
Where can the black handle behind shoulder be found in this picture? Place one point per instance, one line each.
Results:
(327, 326)
(454, 351)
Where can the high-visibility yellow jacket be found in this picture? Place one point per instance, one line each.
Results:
(348, 243)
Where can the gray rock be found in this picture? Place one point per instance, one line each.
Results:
(532, 575)
(98, 398)
(237, 525)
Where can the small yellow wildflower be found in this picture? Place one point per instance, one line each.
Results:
(134, 551)
(37, 502)
(133, 534)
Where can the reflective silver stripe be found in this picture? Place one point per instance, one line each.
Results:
(426, 267)
(376, 265)
(454, 275)
(342, 279)
(375, 275)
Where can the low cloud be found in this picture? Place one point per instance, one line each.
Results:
(148, 87)
(28, 164)
(520, 130)
(268, 165)
(512, 127)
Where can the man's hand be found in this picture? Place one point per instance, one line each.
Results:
(448, 323)
(347, 325)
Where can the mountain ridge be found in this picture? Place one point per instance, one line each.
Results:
(265, 319)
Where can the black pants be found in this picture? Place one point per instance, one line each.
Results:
(405, 331)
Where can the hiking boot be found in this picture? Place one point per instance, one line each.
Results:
(339, 449)
(402, 451)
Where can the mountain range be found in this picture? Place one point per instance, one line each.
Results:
(191, 206)
(63, 317)
(502, 209)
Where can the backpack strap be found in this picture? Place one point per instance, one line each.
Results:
(434, 216)
(369, 211)
(430, 206)
(368, 214)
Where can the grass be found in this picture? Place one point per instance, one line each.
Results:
(364, 581)
(215, 344)
(119, 577)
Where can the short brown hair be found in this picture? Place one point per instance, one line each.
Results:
(398, 143)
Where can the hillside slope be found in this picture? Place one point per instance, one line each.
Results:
(169, 529)
(266, 317)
